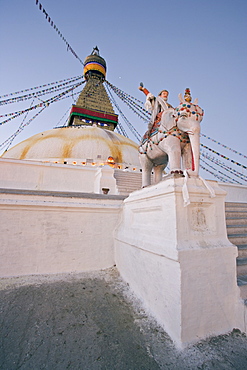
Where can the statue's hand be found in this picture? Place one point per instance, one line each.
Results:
(141, 87)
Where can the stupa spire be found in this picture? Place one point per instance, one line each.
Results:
(93, 106)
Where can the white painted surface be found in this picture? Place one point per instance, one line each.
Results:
(180, 263)
(30, 175)
(76, 143)
(48, 234)
(104, 179)
(235, 193)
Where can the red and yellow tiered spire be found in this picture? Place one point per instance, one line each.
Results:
(93, 106)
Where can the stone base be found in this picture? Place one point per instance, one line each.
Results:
(178, 259)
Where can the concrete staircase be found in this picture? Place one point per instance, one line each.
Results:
(127, 182)
(236, 223)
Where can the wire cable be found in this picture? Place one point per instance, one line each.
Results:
(49, 20)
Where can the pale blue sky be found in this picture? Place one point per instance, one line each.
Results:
(166, 44)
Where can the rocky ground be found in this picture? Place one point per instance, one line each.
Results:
(92, 321)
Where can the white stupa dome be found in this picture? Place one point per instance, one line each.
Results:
(77, 144)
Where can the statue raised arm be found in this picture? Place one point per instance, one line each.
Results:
(155, 105)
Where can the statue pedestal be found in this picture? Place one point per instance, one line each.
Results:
(178, 259)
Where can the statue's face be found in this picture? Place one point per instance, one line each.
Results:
(164, 95)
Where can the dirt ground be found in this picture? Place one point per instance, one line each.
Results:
(92, 321)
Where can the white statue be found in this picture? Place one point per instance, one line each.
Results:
(173, 134)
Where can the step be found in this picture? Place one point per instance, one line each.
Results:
(243, 292)
(237, 229)
(128, 175)
(126, 191)
(235, 209)
(241, 270)
(238, 214)
(125, 176)
(242, 280)
(234, 206)
(241, 261)
(235, 214)
(237, 239)
(236, 221)
(127, 182)
(242, 251)
(129, 185)
(242, 283)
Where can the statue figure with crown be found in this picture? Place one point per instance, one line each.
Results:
(173, 135)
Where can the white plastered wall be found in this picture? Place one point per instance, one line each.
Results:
(53, 234)
(235, 193)
(31, 175)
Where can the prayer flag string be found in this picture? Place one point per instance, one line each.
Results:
(214, 174)
(49, 20)
(223, 156)
(41, 86)
(116, 105)
(57, 125)
(124, 93)
(9, 141)
(65, 114)
(224, 146)
(131, 102)
(228, 177)
(121, 130)
(37, 93)
(43, 103)
(131, 127)
(223, 166)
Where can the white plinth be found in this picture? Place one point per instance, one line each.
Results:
(178, 259)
